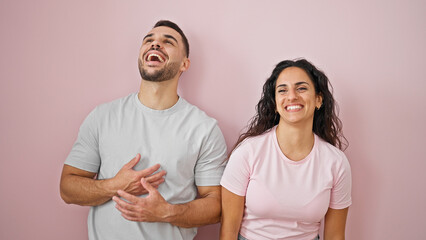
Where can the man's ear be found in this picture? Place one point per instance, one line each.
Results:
(185, 65)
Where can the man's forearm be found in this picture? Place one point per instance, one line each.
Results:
(79, 187)
(85, 191)
(154, 208)
(200, 212)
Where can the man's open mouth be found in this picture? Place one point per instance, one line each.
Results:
(153, 57)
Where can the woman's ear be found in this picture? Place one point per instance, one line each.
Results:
(318, 101)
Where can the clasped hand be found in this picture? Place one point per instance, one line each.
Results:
(153, 208)
(129, 180)
(131, 183)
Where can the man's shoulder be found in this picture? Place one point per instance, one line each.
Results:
(197, 114)
(115, 104)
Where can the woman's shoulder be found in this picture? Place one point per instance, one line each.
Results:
(332, 152)
(257, 141)
(254, 146)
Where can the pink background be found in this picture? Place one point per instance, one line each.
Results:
(59, 59)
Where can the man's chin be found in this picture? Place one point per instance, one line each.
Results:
(155, 76)
(153, 67)
(159, 74)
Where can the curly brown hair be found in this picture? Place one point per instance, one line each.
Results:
(326, 125)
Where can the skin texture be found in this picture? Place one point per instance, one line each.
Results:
(162, 95)
(158, 91)
(232, 214)
(335, 223)
(154, 208)
(295, 88)
(79, 187)
(294, 131)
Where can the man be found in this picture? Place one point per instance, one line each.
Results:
(177, 152)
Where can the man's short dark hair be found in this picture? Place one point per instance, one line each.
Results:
(167, 23)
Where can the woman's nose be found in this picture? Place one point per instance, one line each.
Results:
(292, 94)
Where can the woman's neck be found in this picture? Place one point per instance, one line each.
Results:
(295, 142)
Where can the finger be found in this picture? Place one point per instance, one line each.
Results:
(134, 219)
(133, 162)
(148, 171)
(126, 212)
(157, 182)
(155, 177)
(129, 197)
(123, 204)
(148, 186)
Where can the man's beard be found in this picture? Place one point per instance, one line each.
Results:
(166, 73)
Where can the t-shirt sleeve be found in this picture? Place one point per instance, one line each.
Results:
(342, 186)
(85, 151)
(211, 161)
(237, 173)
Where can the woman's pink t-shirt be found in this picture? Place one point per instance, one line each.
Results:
(286, 199)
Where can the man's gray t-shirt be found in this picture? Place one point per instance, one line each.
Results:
(182, 139)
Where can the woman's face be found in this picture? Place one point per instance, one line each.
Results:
(295, 96)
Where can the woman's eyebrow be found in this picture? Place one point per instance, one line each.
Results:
(297, 84)
(300, 83)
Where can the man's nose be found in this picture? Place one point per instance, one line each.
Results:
(155, 45)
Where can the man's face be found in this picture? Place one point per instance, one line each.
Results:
(162, 55)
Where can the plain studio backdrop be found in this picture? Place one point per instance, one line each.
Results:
(59, 59)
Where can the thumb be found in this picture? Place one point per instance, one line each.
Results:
(147, 185)
(134, 161)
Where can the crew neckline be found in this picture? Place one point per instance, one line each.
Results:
(178, 105)
(284, 157)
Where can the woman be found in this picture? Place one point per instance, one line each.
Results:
(287, 172)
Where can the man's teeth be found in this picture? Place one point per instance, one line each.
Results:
(153, 55)
(294, 107)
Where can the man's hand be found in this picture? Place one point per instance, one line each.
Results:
(152, 208)
(79, 187)
(129, 180)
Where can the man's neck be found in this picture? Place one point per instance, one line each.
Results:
(158, 95)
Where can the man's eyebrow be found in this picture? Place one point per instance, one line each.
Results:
(297, 84)
(170, 36)
(149, 35)
(165, 35)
